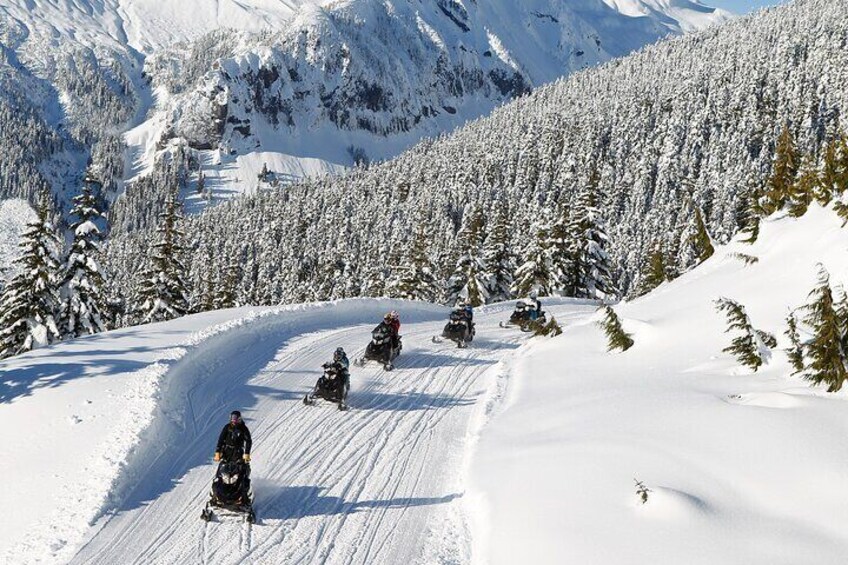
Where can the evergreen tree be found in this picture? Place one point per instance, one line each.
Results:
(617, 338)
(414, 278)
(550, 329)
(784, 169)
(226, 296)
(468, 280)
(655, 271)
(752, 214)
(833, 179)
(752, 347)
(592, 268)
(163, 293)
(84, 309)
(534, 273)
(795, 352)
(804, 189)
(700, 240)
(826, 350)
(560, 245)
(30, 301)
(201, 183)
(498, 259)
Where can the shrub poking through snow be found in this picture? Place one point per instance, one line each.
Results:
(551, 329)
(827, 316)
(642, 491)
(745, 258)
(795, 352)
(752, 347)
(617, 338)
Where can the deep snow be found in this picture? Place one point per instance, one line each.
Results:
(744, 468)
(513, 450)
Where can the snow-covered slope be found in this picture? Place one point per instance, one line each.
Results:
(365, 79)
(503, 452)
(743, 468)
(145, 25)
(302, 86)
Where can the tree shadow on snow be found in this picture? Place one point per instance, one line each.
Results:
(23, 381)
(295, 502)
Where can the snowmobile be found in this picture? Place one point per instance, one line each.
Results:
(458, 329)
(380, 348)
(521, 316)
(332, 386)
(231, 491)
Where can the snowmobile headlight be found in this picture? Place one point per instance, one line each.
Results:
(229, 479)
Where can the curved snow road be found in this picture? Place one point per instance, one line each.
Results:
(381, 483)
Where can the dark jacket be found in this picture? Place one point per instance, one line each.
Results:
(234, 441)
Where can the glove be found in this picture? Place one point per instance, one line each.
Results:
(217, 456)
(246, 457)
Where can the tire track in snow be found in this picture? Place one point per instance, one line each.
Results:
(332, 487)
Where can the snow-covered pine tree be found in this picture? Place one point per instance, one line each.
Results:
(163, 293)
(655, 271)
(413, 279)
(550, 329)
(534, 273)
(701, 240)
(752, 212)
(833, 176)
(498, 258)
(795, 352)
(751, 349)
(804, 189)
(30, 302)
(592, 266)
(201, 183)
(826, 350)
(83, 309)
(617, 338)
(226, 295)
(560, 246)
(784, 169)
(468, 280)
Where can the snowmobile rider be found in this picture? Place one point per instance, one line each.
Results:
(235, 442)
(392, 320)
(340, 358)
(537, 305)
(341, 363)
(467, 311)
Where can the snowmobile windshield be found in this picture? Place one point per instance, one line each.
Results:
(456, 316)
(380, 332)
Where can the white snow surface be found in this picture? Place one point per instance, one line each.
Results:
(146, 25)
(515, 450)
(743, 468)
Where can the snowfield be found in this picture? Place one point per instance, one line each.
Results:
(743, 468)
(515, 450)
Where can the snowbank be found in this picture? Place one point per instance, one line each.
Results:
(742, 468)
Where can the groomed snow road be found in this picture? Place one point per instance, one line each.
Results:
(381, 483)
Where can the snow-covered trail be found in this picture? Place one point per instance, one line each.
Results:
(382, 483)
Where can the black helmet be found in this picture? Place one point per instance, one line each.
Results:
(339, 353)
(235, 415)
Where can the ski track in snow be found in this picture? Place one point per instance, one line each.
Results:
(381, 483)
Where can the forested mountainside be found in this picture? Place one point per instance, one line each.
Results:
(364, 79)
(304, 84)
(676, 138)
